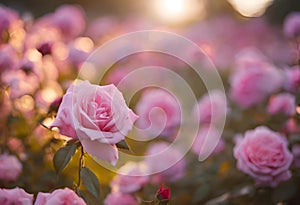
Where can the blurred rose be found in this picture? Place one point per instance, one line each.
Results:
(69, 19)
(163, 156)
(208, 134)
(117, 198)
(132, 177)
(98, 115)
(8, 58)
(263, 154)
(16, 196)
(10, 167)
(59, 197)
(20, 83)
(291, 25)
(159, 112)
(16, 146)
(284, 102)
(7, 18)
(254, 79)
(292, 79)
(212, 102)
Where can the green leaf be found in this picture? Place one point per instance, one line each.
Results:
(90, 182)
(122, 145)
(63, 156)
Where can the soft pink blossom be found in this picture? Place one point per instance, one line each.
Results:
(59, 197)
(16, 196)
(211, 107)
(263, 154)
(208, 135)
(8, 58)
(132, 176)
(165, 163)
(159, 112)
(292, 78)
(10, 167)
(291, 25)
(253, 79)
(117, 198)
(69, 19)
(284, 102)
(98, 116)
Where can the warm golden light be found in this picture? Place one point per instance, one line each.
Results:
(251, 8)
(177, 11)
(33, 55)
(25, 103)
(84, 44)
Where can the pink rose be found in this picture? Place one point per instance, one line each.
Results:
(117, 198)
(16, 196)
(292, 78)
(132, 177)
(253, 80)
(59, 197)
(212, 102)
(207, 134)
(263, 154)
(166, 163)
(98, 116)
(10, 167)
(283, 102)
(70, 20)
(159, 112)
(291, 25)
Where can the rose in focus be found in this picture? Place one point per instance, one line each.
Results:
(98, 116)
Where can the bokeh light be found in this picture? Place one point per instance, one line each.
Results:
(178, 11)
(251, 8)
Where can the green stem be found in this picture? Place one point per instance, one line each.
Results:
(81, 163)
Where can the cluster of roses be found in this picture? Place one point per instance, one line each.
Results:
(35, 57)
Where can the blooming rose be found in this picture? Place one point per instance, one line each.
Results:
(132, 177)
(263, 154)
(10, 167)
(248, 82)
(117, 198)
(283, 102)
(159, 112)
(165, 162)
(291, 25)
(16, 196)
(213, 102)
(59, 197)
(98, 116)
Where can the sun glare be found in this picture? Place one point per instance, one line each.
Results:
(177, 11)
(250, 8)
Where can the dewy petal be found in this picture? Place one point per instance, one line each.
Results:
(100, 150)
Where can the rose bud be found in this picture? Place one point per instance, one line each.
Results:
(163, 193)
